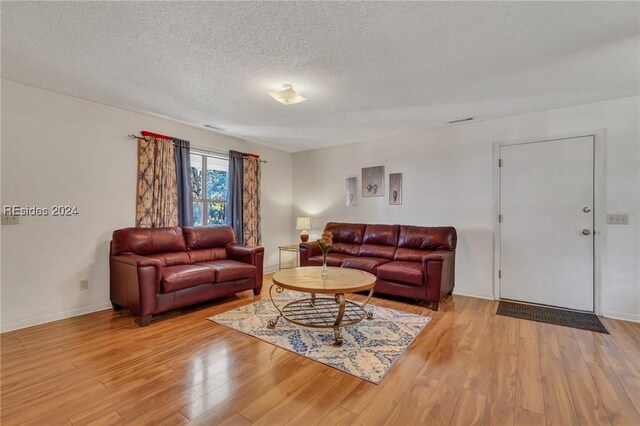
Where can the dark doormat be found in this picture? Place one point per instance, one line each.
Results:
(580, 320)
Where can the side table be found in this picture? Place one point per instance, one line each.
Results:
(295, 248)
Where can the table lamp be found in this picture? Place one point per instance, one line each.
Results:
(303, 223)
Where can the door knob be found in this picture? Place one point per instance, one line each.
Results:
(586, 209)
(586, 232)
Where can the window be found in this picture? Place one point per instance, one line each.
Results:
(209, 188)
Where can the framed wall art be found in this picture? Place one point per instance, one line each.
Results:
(373, 181)
(395, 189)
(352, 191)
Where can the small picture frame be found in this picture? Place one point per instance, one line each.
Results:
(395, 189)
(373, 181)
(352, 191)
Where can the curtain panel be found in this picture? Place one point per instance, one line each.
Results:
(156, 192)
(234, 193)
(183, 181)
(251, 202)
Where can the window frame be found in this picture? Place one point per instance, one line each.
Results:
(204, 201)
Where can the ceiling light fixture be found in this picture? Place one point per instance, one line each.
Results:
(287, 96)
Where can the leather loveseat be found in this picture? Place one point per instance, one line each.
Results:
(154, 270)
(408, 261)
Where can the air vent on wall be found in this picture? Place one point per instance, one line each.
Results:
(462, 120)
(212, 127)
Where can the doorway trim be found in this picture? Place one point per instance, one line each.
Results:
(599, 197)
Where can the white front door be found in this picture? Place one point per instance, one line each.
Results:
(546, 228)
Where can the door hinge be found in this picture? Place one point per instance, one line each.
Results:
(499, 273)
(499, 162)
(499, 218)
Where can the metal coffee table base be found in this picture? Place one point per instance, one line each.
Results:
(322, 312)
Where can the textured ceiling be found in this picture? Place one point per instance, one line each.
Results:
(369, 70)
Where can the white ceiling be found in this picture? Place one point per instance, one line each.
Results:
(369, 70)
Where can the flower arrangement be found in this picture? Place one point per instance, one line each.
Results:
(325, 242)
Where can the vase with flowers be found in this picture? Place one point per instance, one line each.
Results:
(325, 242)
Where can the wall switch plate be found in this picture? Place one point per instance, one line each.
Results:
(617, 219)
(84, 284)
(8, 219)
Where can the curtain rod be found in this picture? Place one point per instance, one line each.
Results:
(208, 151)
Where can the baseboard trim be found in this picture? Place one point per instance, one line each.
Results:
(621, 316)
(270, 270)
(43, 319)
(472, 293)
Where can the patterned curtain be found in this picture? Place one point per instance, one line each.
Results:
(157, 193)
(251, 234)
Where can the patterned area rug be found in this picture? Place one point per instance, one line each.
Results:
(562, 317)
(370, 347)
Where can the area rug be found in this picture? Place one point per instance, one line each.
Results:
(562, 317)
(369, 350)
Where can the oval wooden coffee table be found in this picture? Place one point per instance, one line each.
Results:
(323, 312)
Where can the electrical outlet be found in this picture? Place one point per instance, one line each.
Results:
(84, 284)
(8, 219)
(617, 219)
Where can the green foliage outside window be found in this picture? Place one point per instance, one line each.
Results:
(214, 198)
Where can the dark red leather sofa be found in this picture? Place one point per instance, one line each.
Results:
(154, 270)
(409, 261)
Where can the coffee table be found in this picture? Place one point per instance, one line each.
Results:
(323, 312)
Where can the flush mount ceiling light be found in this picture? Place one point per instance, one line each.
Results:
(287, 96)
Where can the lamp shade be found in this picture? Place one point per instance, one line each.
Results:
(303, 223)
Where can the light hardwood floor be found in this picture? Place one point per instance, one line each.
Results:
(468, 366)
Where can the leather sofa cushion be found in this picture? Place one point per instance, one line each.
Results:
(346, 232)
(204, 237)
(333, 259)
(411, 255)
(368, 264)
(179, 277)
(345, 248)
(381, 235)
(405, 272)
(369, 250)
(145, 241)
(229, 270)
(428, 238)
(207, 255)
(171, 259)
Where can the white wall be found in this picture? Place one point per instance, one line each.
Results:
(448, 180)
(58, 149)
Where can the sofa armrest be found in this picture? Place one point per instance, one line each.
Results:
(135, 282)
(251, 255)
(438, 255)
(307, 250)
(439, 272)
(244, 254)
(136, 260)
